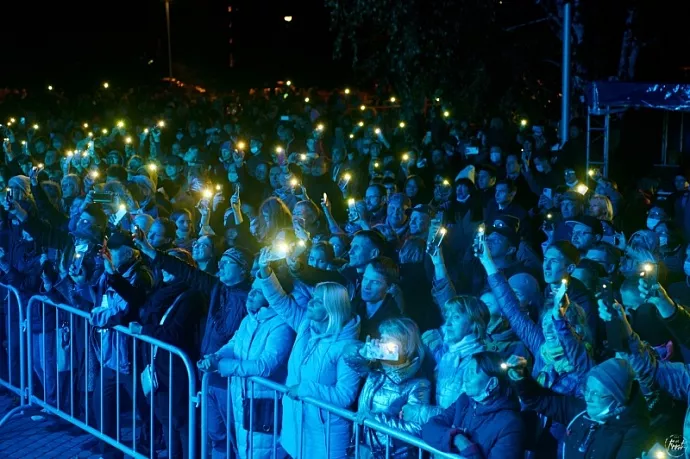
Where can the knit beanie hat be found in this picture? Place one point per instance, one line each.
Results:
(617, 376)
(527, 285)
(239, 256)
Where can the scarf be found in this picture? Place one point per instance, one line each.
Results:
(553, 356)
(466, 347)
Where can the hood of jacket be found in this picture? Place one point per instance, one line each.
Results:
(634, 414)
(401, 373)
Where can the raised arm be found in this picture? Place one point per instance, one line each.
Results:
(285, 305)
(189, 274)
(528, 332)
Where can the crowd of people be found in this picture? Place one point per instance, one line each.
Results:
(472, 285)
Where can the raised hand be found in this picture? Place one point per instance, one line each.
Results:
(108, 262)
(218, 199)
(265, 258)
(656, 295)
(517, 367)
(142, 243)
(78, 275)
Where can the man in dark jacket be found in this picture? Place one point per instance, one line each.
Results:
(503, 204)
(560, 260)
(117, 297)
(365, 246)
(375, 304)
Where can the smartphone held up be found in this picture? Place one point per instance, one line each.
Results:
(381, 350)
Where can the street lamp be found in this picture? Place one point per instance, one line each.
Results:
(167, 22)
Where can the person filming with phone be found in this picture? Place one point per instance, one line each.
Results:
(395, 379)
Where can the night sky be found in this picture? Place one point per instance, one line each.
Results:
(69, 42)
(74, 43)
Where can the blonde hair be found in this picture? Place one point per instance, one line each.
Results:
(472, 307)
(605, 202)
(406, 332)
(336, 301)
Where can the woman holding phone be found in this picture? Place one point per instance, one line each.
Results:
(324, 326)
(394, 379)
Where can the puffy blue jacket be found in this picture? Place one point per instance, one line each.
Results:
(317, 365)
(261, 347)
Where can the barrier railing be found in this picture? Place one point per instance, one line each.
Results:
(12, 356)
(350, 416)
(70, 323)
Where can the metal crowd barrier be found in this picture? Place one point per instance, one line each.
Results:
(13, 370)
(390, 433)
(70, 316)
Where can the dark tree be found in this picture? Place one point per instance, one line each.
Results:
(420, 48)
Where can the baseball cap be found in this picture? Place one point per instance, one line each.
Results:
(506, 232)
(118, 239)
(588, 221)
(508, 221)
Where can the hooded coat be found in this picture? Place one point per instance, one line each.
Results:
(260, 347)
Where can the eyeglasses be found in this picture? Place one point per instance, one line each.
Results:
(223, 262)
(197, 244)
(594, 395)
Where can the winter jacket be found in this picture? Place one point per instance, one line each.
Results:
(53, 237)
(671, 377)
(261, 347)
(117, 299)
(623, 436)
(532, 336)
(419, 303)
(226, 303)
(180, 328)
(47, 210)
(386, 391)
(579, 294)
(24, 274)
(451, 363)
(494, 428)
(502, 339)
(317, 366)
(370, 325)
(679, 325)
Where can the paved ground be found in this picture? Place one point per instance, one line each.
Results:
(24, 438)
